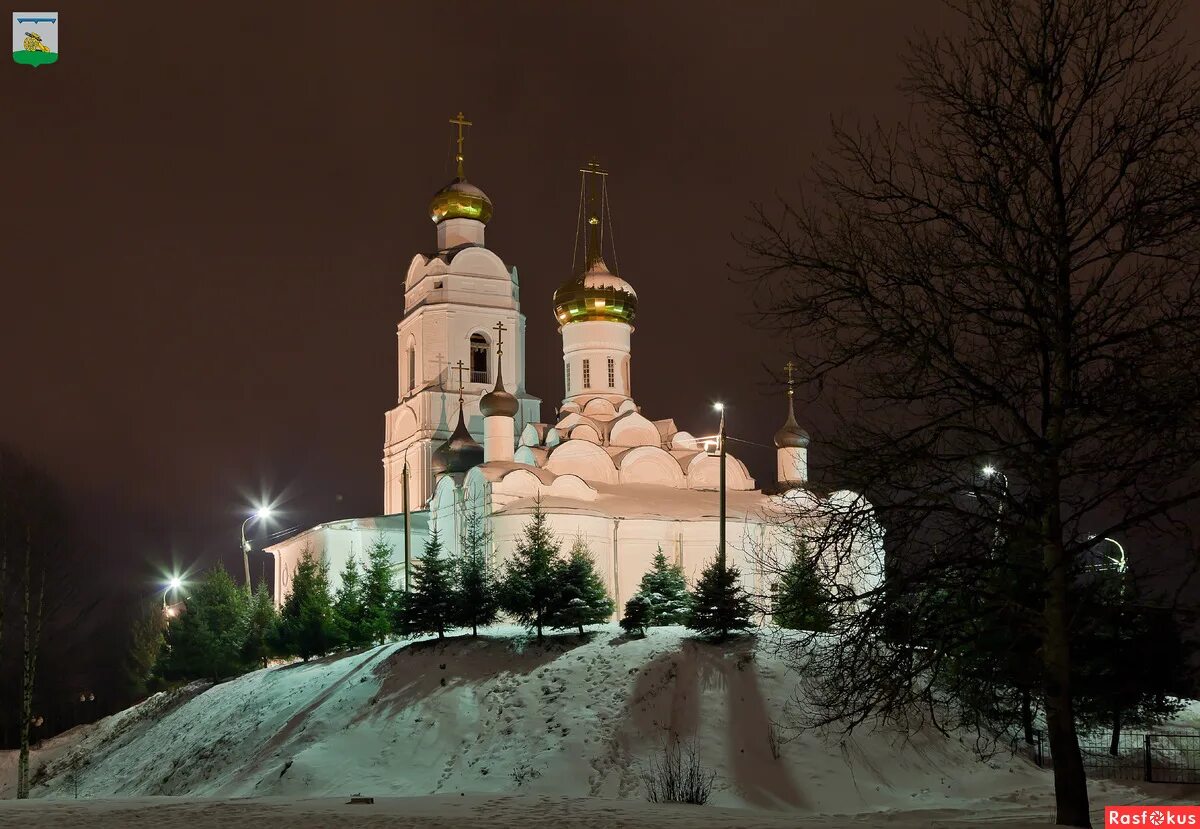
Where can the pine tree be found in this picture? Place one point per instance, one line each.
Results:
(261, 622)
(306, 627)
(478, 593)
(378, 593)
(582, 598)
(720, 605)
(801, 601)
(530, 584)
(349, 608)
(665, 588)
(637, 615)
(432, 602)
(206, 639)
(147, 635)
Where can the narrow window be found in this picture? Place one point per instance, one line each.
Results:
(628, 377)
(412, 368)
(587, 374)
(479, 359)
(568, 378)
(612, 373)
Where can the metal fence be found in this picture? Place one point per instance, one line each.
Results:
(1157, 757)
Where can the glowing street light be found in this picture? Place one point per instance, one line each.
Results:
(262, 513)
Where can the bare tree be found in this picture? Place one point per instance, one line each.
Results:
(1010, 280)
(32, 617)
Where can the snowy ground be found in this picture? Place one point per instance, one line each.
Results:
(501, 731)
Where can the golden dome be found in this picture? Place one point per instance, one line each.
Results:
(460, 200)
(597, 294)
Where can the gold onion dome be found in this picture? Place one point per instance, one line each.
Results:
(498, 402)
(460, 453)
(596, 294)
(460, 200)
(790, 435)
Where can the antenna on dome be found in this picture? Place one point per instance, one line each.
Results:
(594, 213)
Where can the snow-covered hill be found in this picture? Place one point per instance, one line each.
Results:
(502, 714)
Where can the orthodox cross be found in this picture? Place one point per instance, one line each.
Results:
(500, 329)
(789, 368)
(461, 122)
(460, 383)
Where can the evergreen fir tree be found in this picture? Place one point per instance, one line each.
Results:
(478, 600)
(378, 593)
(147, 636)
(349, 609)
(720, 605)
(582, 598)
(261, 621)
(801, 601)
(637, 615)
(432, 602)
(306, 627)
(665, 588)
(530, 585)
(206, 639)
(1131, 658)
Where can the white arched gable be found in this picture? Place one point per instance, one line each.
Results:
(553, 437)
(684, 440)
(571, 486)
(582, 458)
(404, 425)
(599, 407)
(442, 505)
(477, 490)
(416, 270)
(567, 421)
(520, 483)
(627, 405)
(650, 465)
(585, 431)
(634, 430)
(704, 472)
(529, 436)
(479, 262)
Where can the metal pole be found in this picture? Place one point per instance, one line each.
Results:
(407, 522)
(721, 545)
(245, 554)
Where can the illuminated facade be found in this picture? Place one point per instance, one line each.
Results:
(603, 471)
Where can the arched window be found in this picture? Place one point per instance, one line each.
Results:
(568, 378)
(628, 378)
(612, 371)
(479, 359)
(412, 367)
(587, 374)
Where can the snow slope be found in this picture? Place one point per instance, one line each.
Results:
(501, 714)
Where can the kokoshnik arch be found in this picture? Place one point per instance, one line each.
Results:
(466, 435)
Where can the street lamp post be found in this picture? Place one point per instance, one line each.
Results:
(720, 407)
(261, 512)
(407, 522)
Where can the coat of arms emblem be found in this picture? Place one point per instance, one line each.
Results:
(35, 38)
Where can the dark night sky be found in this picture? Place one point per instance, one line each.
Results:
(210, 208)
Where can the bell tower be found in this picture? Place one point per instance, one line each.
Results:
(453, 300)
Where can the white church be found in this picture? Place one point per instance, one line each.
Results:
(466, 434)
